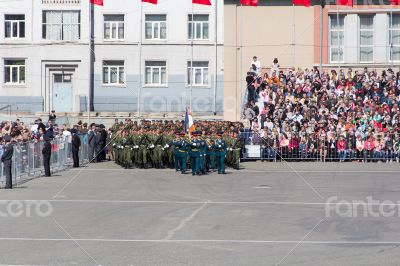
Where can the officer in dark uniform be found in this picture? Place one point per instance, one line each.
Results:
(180, 153)
(220, 152)
(46, 152)
(6, 158)
(195, 153)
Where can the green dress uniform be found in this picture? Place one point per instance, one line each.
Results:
(220, 152)
(168, 152)
(236, 150)
(143, 151)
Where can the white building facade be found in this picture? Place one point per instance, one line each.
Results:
(148, 58)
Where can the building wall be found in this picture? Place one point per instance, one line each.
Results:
(351, 45)
(44, 58)
(265, 31)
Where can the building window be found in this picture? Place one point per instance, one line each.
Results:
(114, 27)
(198, 27)
(336, 38)
(14, 26)
(14, 72)
(156, 27)
(113, 72)
(394, 37)
(366, 38)
(197, 73)
(156, 73)
(61, 25)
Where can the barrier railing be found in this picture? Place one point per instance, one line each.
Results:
(27, 162)
(380, 148)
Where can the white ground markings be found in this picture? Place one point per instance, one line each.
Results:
(171, 233)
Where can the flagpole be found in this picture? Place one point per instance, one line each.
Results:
(216, 58)
(191, 62)
(321, 17)
(391, 36)
(90, 105)
(140, 61)
(241, 58)
(293, 36)
(338, 25)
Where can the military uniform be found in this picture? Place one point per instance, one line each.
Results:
(220, 153)
(180, 154)
(195, 152)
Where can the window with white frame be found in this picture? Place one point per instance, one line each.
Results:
(114, 27)
(198, 27)
(14, 26)
(394, 37)
(156, 27)
(156, 73)
(336, 38)
(14, 72)
(61, 25)
(197, 73)
(113, 72)
(366, 38)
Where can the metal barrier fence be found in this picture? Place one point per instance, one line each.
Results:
(27, 162)
(381, 148)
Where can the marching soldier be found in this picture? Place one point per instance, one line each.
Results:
(220, 153)
(180, 153)
(195, 152)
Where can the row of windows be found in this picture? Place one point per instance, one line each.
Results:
(114, 73)
(66, 26)
(365, 37)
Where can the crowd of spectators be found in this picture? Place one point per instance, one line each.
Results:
(342, 114)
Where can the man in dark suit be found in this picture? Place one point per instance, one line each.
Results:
(76, 144)
(91, 142)
(98, 144)
(46, 152)
(6, 158)
(103, 142)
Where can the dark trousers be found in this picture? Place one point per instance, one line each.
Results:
(46, 164)
(98, 153)
(91, 153)
(8, 173)
(75, 157)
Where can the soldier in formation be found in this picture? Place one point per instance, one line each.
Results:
(165, 145)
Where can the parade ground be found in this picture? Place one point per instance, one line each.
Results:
(265, 214)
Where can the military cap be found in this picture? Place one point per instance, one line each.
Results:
(220, 133)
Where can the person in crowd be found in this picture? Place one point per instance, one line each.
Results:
(46, 153)
(91, 142)
(6, 159)
(52, 116)
(98, 144)
(76, 144)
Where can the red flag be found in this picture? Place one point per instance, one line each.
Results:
(150, 1)
(97, 2)
(344, 2)
(306, 3)
(249, 2)
(202, 2)
(395, 2)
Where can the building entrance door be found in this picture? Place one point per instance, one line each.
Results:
(62, 92)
